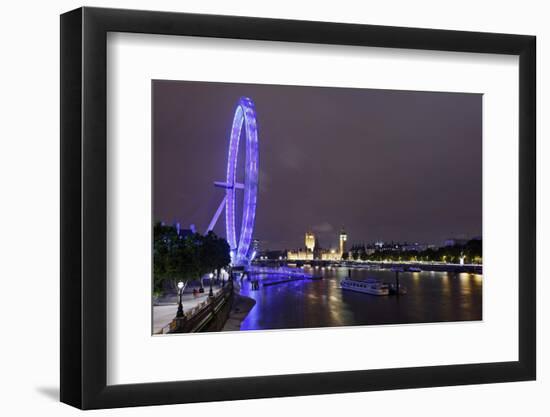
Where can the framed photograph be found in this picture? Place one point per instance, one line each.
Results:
(257, 208)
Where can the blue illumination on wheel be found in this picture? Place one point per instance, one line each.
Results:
(245, 114)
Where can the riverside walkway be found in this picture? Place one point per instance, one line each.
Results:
(164, 312)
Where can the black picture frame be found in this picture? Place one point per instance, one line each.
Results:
(84, 207)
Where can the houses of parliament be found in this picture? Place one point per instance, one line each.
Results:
(313, 251)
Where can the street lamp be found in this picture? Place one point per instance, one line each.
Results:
(211, 293)
(180, 306)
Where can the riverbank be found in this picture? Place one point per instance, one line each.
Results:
(422, 266)
(240, 309)
(430, 267)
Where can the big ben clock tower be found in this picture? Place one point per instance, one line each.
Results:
(343, 238)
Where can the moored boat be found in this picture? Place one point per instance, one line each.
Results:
(368, 286)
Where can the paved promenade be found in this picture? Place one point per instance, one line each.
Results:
(163, 314)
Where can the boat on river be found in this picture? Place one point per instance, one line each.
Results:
(368, 286)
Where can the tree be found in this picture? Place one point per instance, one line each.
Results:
(222, 256)
(165, 239)
(362, 252)
(176, 257)
(474, 250)
(196, 255)
(215, 254)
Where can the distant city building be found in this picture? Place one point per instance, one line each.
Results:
(454, 242)
(360, 251)
(310, 241)
(183, 233)
(306, 254)
(313, 251)
(416, 247)
(331, 255)
(272, 255)
(300, 255)
(343, 239)
(394, 247)
(256, 247)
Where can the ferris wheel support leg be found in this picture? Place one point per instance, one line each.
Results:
(216, 215)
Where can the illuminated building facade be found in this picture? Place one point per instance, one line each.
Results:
(331, 255)
(299, 255)
(310, 242)
(312, 251)
(343, 239)
(307, 254)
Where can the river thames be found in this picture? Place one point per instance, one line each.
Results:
(431, 297)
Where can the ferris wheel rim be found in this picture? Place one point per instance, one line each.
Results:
(244, 116)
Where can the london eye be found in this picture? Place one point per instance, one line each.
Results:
(245, 115)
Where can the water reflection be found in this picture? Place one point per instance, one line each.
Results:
(431, 297)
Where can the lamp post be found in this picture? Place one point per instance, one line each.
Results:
(180, 306)
(211, 293)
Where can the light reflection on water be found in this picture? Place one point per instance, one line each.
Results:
(431, 297)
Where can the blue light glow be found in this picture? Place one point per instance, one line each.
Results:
(244, 115)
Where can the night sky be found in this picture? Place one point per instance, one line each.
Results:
(385, 165)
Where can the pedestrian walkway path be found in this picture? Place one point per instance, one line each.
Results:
(163, 314)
